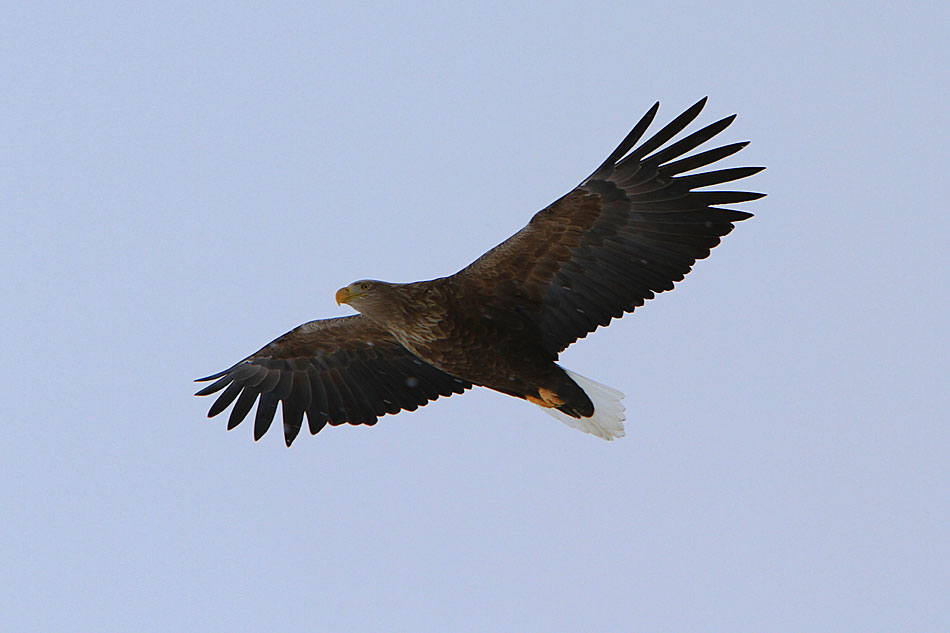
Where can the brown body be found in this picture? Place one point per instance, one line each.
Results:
(477, 337)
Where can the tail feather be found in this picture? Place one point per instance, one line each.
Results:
(607, 421)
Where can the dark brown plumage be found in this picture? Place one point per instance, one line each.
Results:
(629, 231)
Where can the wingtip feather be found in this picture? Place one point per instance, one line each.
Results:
(212, 376)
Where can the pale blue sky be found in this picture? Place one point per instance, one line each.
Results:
(180, 184)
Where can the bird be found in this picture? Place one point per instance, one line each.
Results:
(627, 232)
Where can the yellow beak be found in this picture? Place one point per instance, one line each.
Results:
(343, 295)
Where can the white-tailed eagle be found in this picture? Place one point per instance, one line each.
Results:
(630, 230)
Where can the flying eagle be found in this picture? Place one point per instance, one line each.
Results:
(627, 232)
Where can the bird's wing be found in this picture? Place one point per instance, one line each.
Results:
(334, 370)
(630, 230)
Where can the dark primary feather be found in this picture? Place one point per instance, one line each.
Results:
(345, 370)
(630, 230)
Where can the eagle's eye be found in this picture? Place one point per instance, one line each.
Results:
(365, 285)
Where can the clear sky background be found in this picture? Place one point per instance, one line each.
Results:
(181, 183)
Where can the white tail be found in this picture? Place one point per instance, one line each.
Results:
(607, 421)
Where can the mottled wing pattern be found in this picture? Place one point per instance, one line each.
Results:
(629, 231)
(345, 370)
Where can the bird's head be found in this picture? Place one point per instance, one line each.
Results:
(364, 295)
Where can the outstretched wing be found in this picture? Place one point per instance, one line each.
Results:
(630, 230)
(334, 370)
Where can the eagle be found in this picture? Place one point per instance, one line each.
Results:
(630, 230)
